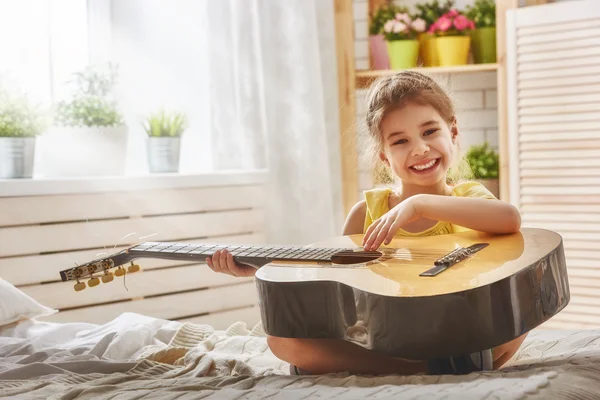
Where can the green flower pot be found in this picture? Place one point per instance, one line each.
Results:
(403, 54)
(483, 45)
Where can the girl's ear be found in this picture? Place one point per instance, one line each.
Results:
(383, 158)
(454, 130)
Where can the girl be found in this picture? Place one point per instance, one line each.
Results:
(413, 126)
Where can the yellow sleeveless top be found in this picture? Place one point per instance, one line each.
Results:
(377, 205)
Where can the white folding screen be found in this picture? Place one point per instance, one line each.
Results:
(553, 68)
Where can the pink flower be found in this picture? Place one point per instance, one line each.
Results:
(388, 26)
(433, 27)
(452, 13)
(444, 23)
(403, 17)
(461, 22)
(471, 25)
(419, 25)
(399, 27)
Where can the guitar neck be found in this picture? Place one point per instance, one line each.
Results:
(241, 253)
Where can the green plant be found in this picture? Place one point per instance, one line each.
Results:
(381, 15)
(431, 11)
(483, 161)
(19, 117)
(161, 124)
(483, 13)
(91, 103)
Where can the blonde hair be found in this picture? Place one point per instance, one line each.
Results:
(395, 91)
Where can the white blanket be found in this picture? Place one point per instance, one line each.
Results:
(138, 357)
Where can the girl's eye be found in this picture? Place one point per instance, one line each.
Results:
(430, 132)
(401, 141)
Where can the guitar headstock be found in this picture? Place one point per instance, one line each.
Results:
(100, 269)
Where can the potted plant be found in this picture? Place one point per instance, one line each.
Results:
(483, 162)
(21, 122)
(89, 137)
(164, 140)
(430, 12)
(401, 39)
(483, 37)
(453, 40)
(377, 46)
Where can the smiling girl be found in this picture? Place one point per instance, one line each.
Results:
(413, 125)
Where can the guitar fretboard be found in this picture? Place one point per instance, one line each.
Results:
(266, 252)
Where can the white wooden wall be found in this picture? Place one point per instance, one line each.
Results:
(554, 126)
(49, 226)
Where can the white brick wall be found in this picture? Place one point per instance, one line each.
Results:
(474, 95)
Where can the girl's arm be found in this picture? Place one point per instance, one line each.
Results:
(485, 215)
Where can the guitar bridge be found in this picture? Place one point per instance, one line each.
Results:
(452, 258)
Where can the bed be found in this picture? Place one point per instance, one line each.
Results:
(139, 357)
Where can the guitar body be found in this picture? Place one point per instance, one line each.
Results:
(495, 295)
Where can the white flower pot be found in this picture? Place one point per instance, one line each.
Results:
(16, 157)
(84, 151)
(163, 154)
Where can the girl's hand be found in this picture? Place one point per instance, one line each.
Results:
(222, 261)
(383, 229)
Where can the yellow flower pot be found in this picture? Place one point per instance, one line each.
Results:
(453, 50)
(427, 49)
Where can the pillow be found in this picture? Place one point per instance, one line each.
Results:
(16, 306)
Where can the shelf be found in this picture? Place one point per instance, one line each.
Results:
(365, 77)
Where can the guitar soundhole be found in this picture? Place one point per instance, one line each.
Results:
(355, 257)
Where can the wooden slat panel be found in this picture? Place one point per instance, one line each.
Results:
(561, 199)
(559, 73)
(556, 216)
(568, 54)
(43, 209)
(561, 127)
(223, 320)
(174, 307)
(541, 30)
(557, 136)
(564, 64)
(561, 100)
(545, 119)
(559, 154)
(584, 31)
(567, 227)
(45, 268)
(573, 145)
(564, 183)
(549, 172)
(556, 47)
(95, 234)
(556, 323)
(562, 109)
(552, 189)
(558, 91)
(566, 209)
(61, 295)
(567, 163)
(559, 82)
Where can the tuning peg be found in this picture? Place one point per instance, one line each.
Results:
(133, 268)
(93, 282)
(79, 286)
(120, 271)
(107, 277)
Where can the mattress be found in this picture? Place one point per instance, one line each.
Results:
(139, 357)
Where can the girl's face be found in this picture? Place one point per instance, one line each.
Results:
(418, 145)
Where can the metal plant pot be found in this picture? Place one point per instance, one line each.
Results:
(16, 157)
(163, 154)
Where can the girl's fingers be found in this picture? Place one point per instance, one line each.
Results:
(373, 235)
(223, 261)
(392, 231)
(381, 235)
(233, 268)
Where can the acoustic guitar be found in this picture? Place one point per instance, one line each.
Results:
(415, 298)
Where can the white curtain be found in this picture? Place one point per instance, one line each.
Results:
(273, 102)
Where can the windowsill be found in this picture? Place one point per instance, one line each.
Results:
(54, 186)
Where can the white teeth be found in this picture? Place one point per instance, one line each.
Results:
(424, 166)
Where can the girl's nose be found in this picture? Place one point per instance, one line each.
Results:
(420, 148)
